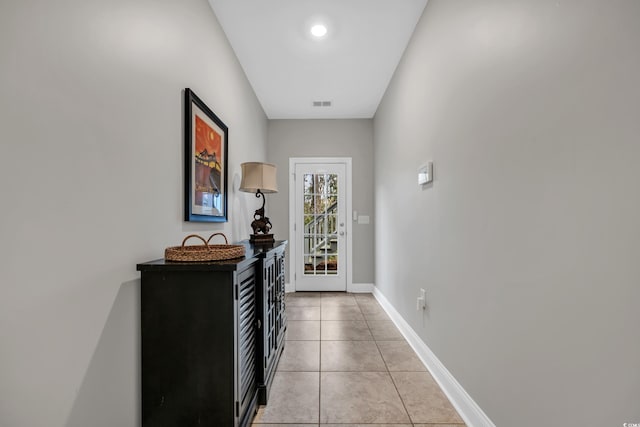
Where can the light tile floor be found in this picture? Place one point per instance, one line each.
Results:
(346, 364)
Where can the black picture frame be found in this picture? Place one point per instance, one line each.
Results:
(206, 140)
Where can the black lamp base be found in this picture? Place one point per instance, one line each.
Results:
(261, 239)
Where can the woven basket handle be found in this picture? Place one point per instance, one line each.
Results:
(206, 243)
(226, 242)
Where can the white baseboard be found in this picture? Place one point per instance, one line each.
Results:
(355, 288)
(360, 288)
(468, 409)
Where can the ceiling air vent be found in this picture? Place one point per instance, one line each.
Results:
(322, 103)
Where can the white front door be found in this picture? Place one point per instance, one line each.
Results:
(320, 225)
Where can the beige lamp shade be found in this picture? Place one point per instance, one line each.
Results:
(258, 176)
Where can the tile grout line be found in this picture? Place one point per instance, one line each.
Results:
(391, 377)
(386, 365)
(351, 340)
(399, 395)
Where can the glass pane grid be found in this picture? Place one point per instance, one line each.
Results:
(320, 224)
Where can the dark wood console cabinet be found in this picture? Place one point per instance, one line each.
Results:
(212, 334)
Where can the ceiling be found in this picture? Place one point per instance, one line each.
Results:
(289, 69)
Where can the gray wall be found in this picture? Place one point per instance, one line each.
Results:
(327, 138)
(528, 240)
(91, 176)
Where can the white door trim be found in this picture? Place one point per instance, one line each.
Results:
(292, 213)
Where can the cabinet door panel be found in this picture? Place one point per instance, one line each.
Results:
(271, 302)
(270, 327)
(247, 338)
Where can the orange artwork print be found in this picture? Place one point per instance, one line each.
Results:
(208, 167)
(207, 138)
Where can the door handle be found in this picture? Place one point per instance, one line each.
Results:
(342, 233)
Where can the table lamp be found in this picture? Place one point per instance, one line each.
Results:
(259, 178)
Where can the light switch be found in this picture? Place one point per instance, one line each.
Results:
(425, 173)
(363, 219)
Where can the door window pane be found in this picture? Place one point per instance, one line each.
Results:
(320, 224)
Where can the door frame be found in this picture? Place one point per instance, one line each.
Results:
(348, 213)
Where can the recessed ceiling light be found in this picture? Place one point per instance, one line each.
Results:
(318, 30)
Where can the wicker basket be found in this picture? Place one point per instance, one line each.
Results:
(206, 252)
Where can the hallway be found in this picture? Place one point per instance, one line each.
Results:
(345, 363)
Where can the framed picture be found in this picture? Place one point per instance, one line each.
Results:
(206, 143)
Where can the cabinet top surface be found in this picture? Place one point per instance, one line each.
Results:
(252, 254)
